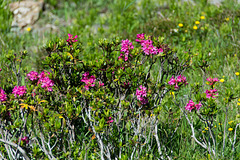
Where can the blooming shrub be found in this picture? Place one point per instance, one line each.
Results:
(93, 102)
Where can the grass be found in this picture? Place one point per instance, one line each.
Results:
(216, 40)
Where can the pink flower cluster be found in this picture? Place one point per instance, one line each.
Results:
(32, 75)
(140, 37)
(71, 39)
(19, 90)
(126, 47)
(211, 93)
(191, 106)
(88, 80)
(25, 139)
(3, 96)
(176, 82)
(42, 78)
(147, 45)
(142, 94)
(212, 80)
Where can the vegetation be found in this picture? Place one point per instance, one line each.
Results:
(121, 80)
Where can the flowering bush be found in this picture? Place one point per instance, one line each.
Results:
(115, 105)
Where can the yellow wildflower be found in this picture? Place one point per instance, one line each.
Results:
(195, 27)
(172, 93)
(206, 128)
(202, 17)
(237, 73)
(203, 131)
(220, 124)
(180, 25)
(197, 22)
(235, 55)
(207, 82)
(230, 122)
(227, 19)
(29, 29)
(238, 104)
(222, 80)
(215, 126)
(186, 31)
(239, 99)
(230, 129)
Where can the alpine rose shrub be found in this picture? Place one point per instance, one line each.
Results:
(71, 116)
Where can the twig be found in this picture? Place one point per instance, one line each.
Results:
(16, 146)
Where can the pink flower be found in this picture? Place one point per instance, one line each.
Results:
(3, 96)
(142, 94)
(212, 80)
(211, 93)
(43, 74)
(148, 47)
(140, 37)
(180, 80)
(71, 39)
(191, 106)
(172, 81)
(198, 106)
(88, 80)
(110, 120)
(32, 75)
(19, 90)
(125, 85)
(101, 84)
(25, 139)
(160, 50)
(46, 83)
